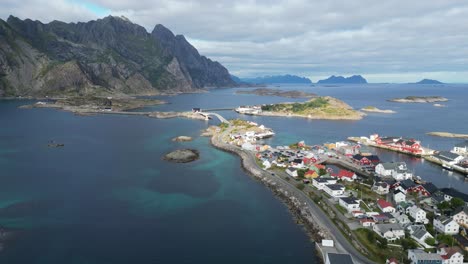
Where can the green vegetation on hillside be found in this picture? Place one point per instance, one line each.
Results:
(319, 107)
(318, 102)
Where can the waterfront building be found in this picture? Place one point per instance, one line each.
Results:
(461, 148)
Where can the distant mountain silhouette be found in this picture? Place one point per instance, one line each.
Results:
(342, 80)
(429, 81)
(276, 79)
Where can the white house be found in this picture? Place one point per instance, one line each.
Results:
(385, 206)
(418, 256)
(461, 148)
(391, 232)
(381, 188)
(367, 222)
(451, 255)
(461, 216)
(350, 204)
(319, 183)
(334, 190)
(420, 234)
(292, 172)
(418, 214)
(266, 164)
(446, 225)
(249, 146)
(397, 170)
(399, 196)
(401, 218)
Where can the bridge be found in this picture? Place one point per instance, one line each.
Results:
(220, 117)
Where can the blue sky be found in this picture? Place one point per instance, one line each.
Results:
(385, 41)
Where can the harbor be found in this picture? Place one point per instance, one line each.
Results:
(454, 160)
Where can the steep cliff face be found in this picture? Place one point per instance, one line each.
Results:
(203, 71)
(106, 56)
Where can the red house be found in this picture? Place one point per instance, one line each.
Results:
(345, 175)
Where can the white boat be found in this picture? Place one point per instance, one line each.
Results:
(447, 167)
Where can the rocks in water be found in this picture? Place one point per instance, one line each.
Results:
(182, 156)
(182, 139)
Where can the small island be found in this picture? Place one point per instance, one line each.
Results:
(280, 93)
(429, 81)
(377, 110)
(447, 135)
(182, 139)
(182, 156)
(94, 104)
(419, 99)
(316, 108)
(355, 79)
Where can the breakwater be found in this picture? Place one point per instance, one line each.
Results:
(295, 204)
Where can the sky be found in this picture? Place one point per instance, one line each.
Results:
(385, 41)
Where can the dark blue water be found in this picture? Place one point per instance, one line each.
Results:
(107, 197)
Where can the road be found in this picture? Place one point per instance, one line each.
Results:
(248, 159)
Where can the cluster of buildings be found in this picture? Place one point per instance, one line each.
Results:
(392, 218)
(456, 159)
(248, 137)
(247, 109)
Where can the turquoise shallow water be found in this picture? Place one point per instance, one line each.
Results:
(108, 197)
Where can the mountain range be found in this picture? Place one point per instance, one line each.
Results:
(355, 79)
(274, 79)
(105, 56)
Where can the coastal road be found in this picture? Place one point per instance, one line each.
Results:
(248, 159)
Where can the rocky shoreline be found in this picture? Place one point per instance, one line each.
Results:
(182, 155)
(357, 116)
(374, 109)
(419, 99)
(294, 204)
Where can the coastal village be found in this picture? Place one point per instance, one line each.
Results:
(392, 214)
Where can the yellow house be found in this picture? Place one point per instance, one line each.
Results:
(311, 174)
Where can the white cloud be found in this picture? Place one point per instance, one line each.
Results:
(379, 39)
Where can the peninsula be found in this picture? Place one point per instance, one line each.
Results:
(419, 99)
(280, 93)
(447, 135)
(377, 110)
(316, 108)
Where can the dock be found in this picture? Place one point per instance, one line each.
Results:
(425, 151)
(456, 168)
